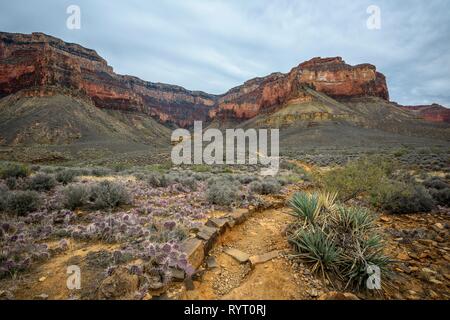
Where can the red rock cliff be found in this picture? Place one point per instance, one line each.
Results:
(432, 113)
(331, 76)
(38, 60)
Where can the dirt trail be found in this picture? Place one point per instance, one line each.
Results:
(278, 279)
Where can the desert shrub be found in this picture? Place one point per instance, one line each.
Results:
(399, 197)
(159, 167)
(160, 180)
(436, 183)
(11, 183)
(50, 169)
(339, 242)
(66, 176)
(247, 179)
(108, 194)
(3, 196)
(22, 202)
(400, 153)
(265, 187)
(75, 196)
(35, 168)
(270, 186)
(201, 168)
(190, 183)
(442, 196)
(120, 167)
(101, 172)
(14, 170)
(357, 177)
(201, 176)
(256, 187)
(222, 192)
(41, 182)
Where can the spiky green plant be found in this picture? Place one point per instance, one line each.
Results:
(339, 242)
(317, 248)
(354, 263)
(354, 219)
(327, 200)
(305, 206)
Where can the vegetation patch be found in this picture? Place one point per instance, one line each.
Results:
(339, 242)
(22, 202)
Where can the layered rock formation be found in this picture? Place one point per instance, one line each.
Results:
(331, 76)
(432, 113)
(39, 61)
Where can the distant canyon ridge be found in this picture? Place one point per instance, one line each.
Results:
(39, 62)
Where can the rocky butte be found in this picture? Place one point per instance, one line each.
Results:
(331, 76)
(39, 62)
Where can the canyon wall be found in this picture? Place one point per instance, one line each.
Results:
(39, 61)
(432, 113)
(331, 76)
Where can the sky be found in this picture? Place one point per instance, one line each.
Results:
(214, 45)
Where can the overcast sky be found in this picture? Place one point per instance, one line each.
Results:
(214, 45)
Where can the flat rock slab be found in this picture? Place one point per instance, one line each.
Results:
(177, 274)
(209, 235)
(238, 255)
(195, 251)
(219, 223)
(206, 233)
(240, 215)
(255, 260)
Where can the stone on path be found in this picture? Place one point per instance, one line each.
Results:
(255, 260)
(238, 255)
(211, 262)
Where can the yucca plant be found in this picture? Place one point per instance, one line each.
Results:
(327, 201)
(354, 219)
(305, 206)
(317, 248)
(354, 263)
(339, 242)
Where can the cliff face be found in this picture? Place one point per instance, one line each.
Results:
(331, 76)
(39, 61)
(432, 113)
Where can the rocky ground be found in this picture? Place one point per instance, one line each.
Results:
(253, 260)
(243, 273)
